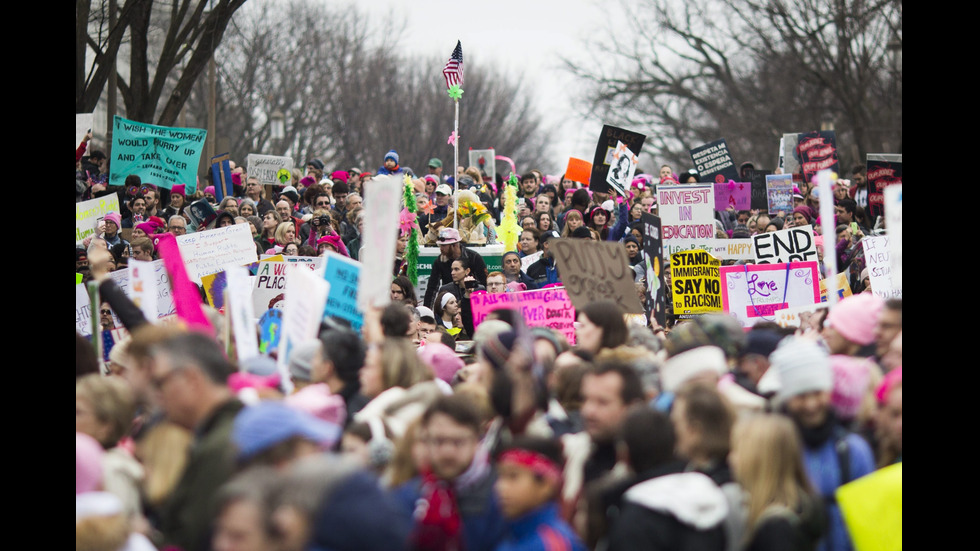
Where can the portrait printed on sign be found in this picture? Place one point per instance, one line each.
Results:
(621, 168)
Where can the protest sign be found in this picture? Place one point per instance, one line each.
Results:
(621, 170)
(687, 211)
(791, 159)
(221, 176)
(89, 213)
(779, 194)
(755, 293)
(83, 311)
(549, 307)
(303, 312)
(314, 263)
(382, 199)
(240, 311)
(83, 123)
(270, 330)
(143, 287)
(164, 299)
(269, 286)
(893, 221)
(757, 180)
(653, 249)
(163, 155)
(790, 245)
(713, 162)
(578, 170)
(210, 251)
(484, 159)
(877, 256)
(268, 169)
(735, 195)
(596, 270)
(724, 249)
(843, 288)
(872, 509)
(343, 275)
(214, 288)
(817, 151)
(530, 259)
(200, 213)
(694, 282)
(884, 170)
(606, 146)
(801, 316)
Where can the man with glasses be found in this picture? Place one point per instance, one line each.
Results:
(189, 375)
(496, 282)
(177, 225)
(453, 502)
(253, 190)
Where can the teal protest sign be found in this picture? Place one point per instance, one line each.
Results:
(159, 155)
(344, 276)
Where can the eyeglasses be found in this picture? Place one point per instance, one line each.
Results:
(106, 312)
(160, 382)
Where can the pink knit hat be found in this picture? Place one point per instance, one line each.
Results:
(851, 376)
(88, 463)
(318, 401)
(856, 317)
(442, 359)
(114, 217)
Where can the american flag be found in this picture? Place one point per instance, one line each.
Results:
(454, 67)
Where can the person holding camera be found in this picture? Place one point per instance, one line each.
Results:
(462, 286)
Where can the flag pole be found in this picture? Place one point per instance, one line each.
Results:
(455, 165)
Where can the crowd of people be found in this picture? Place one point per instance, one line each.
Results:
(424, 430)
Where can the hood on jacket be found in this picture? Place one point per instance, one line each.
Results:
(691, 498)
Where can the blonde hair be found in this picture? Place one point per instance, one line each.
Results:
(769, 465)
(112, 401)
(400, 364)
(163, 450)
(566, 231)
(281, 232)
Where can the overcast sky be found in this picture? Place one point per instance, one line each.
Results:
(521, 37)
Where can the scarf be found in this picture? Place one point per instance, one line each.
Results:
(438, 525)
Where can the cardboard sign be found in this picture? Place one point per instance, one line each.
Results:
(596, 270)
(694, 282)
(83, 123)
(884, 170)
(484, 159)
(89, 213)
(209, 252)
(687, 211)
(343, 275)
(735, 195)
(267, 168)
(578, 170)
(791, 159)
(621, 169)
(877, 256)
(382, 199)
(843, 288)
(757, 179)
(269, 286)
(303, 312)
(606, 146)
(160, 154)
(240, 311)
(893, 221)
(714, 163)
(779, 193)
(653, 249)
(790, 245)
(755, 293)
(540, 308)
(817, 151)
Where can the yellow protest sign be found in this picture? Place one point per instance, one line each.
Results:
(843, 288)
(694, 282)
(872, 509)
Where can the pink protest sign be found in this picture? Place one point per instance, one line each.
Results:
(541, 308)
(753, 293)
(737, 195)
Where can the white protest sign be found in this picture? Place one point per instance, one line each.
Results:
(210, 251)
(143, 287)
(877, 255)
(269, 286)
(83, 123)
(724, 249)
(484, 159)
(314, 263)
(302, 313)
(893, 221)
(530, 259)
(381, 201)
(89, 213)
(753, 293)
(621, 169)
(83, 311)
(687, 212)
(267, 168)
(790, 245)
(241, 312)
(164, 298)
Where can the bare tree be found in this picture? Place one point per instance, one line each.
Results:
(751, 70)
(348, 97)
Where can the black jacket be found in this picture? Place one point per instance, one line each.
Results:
(442, 274)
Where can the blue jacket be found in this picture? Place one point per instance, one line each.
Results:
(540, 530)
(479, 508)
(824, 470)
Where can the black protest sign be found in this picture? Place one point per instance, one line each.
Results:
(653, 249)
(760, 201)
(883, 170)
(817, 151)
(714, 163)
(604, 150)
(596, 270)
(789, 245)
